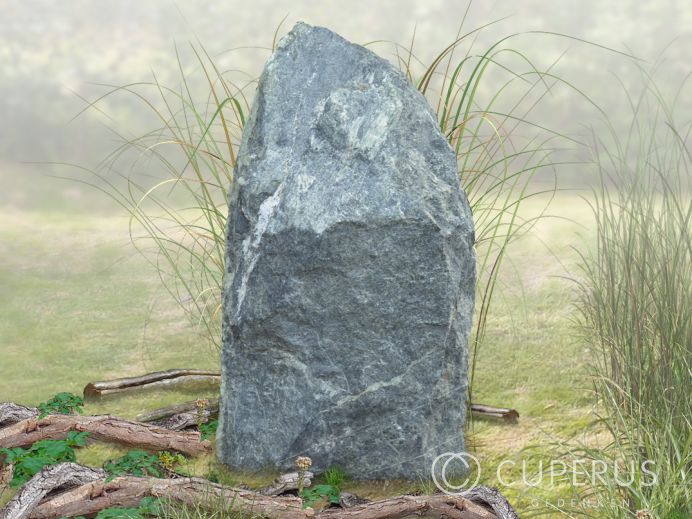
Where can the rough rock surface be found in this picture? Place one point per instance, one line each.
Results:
(349, 284)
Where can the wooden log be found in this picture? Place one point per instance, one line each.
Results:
(90, 494)
(491, 497)
(181, 416)
(286, 483)
(501, 413)
(180, 422)
(11, 413)
(157, 380)
(186, 407)
(348, 500)
(127, 491)
(6, 474)
(438, 505)
(47, 480)
(104, 428)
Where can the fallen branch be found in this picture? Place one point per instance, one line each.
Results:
(182, 416)
(439, 505)
(6, 474)
(90, 494)
(180, 422)
(493, 498)
(158, 380)
(348, 500)
(12, 413)
(46, 481)
(286, 483)
(510, 415)
(188, 407)
(105, 428)
(127, 491)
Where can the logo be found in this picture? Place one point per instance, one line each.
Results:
(448, 469)
(455, 464)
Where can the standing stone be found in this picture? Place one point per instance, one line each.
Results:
(350, 271)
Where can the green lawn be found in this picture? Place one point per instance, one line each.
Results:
(533, 359)
(79, 304)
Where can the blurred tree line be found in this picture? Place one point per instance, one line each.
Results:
(54, 56)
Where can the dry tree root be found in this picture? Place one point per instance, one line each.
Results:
(12, 413)
(491, 497)
(87, 493)
(90, 494)
(181, 421)
(286, 483)
(105, 428)
(46, 481)
(438, 505)
(158, 380)
(476, 503)
(157, 415)
(128, 491)
(182, 416)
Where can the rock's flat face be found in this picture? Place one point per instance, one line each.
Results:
(350, 275)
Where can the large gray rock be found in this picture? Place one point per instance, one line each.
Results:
(350, 273)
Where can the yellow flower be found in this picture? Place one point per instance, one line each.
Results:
(302, 463)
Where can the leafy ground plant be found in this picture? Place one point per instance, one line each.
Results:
(333, 479)
(61, 403)
(44, 453)
(314, 494)
(140, 463)
(208, 429)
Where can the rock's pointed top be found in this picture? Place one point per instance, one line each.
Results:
(302, 30)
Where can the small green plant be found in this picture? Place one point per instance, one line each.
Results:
(28, 462)
(140, 463)
(334, 477)
(135, 462)
(207, 430)
(61, 403)
(171, 462)
(311, 495)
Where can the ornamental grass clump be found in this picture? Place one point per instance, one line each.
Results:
(635, 312)
(483, 99)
